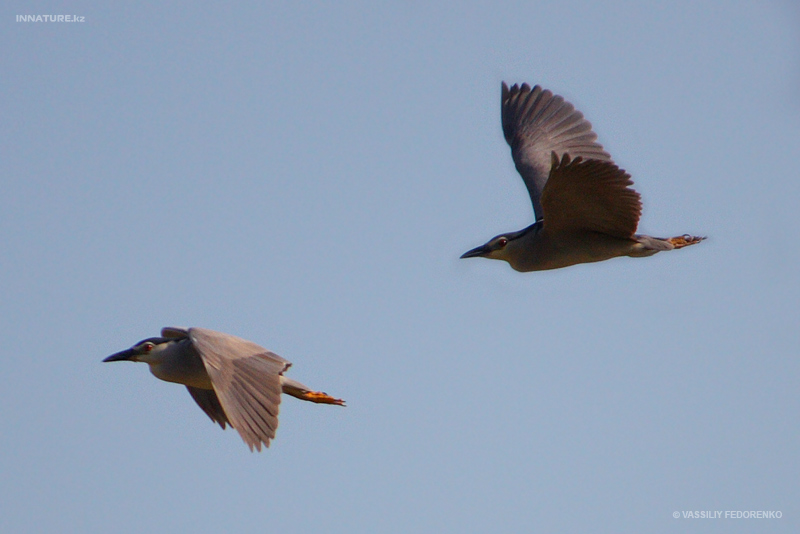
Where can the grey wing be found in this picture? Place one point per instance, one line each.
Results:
(207, 400)
(174, 331)
(535, 123)
(590, 195)
(246, 380)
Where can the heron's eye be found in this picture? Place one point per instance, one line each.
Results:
(502, 242)
(147, 347)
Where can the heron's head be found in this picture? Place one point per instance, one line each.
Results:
(507, 247)
(147, 350)
(496, 249)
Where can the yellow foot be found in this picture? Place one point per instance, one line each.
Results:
(685, 240)
(322, 398)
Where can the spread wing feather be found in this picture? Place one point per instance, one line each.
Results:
(536, 123)
(246, 380)
(590, 195)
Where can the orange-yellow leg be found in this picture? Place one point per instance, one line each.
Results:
(684, 240)
(320, 397)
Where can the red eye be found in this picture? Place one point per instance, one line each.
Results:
(148, 347)
(502, 242)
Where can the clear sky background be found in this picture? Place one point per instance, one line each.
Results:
(306, 175)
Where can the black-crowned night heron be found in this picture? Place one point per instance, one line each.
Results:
(234, 381)
(584, 206)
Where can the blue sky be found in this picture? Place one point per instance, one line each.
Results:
(306, 176)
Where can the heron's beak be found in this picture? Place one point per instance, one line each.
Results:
(476, 252)
(124, 355)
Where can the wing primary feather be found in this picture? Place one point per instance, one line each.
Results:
(248, 427)
(535, 122)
